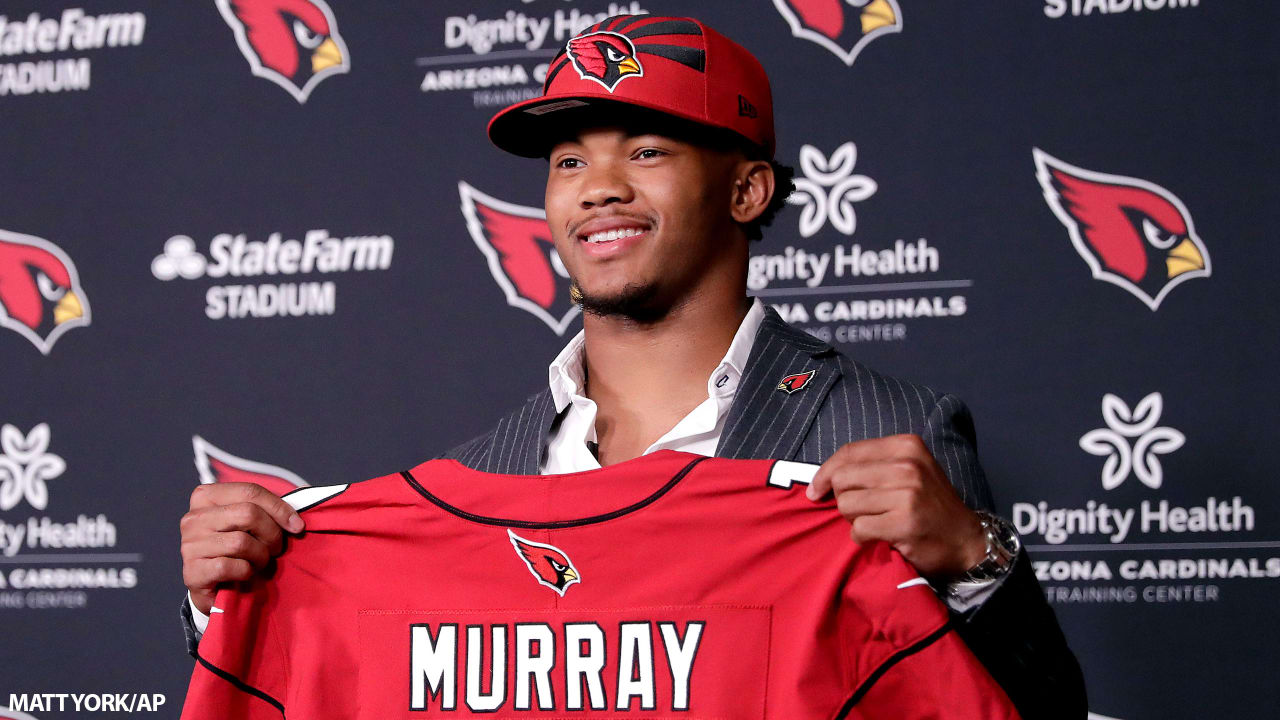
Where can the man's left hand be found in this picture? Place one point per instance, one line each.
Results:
(892, 489)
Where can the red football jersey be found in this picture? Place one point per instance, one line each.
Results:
(669, 585)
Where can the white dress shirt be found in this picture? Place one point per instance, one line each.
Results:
(698, 432)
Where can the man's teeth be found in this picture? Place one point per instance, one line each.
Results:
(611, 235)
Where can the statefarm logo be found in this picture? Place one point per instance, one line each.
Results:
(215, 465)
(40, 293)
(827, 189)
(845, 31)
(72, 31)
(235, 256)
(26, 467)
(1132, 233)
(516, 243)
(293, 43)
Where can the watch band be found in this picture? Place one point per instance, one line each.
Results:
(1003, 545)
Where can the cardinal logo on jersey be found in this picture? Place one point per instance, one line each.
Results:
(842, 26)
(605, 57)
(217, 465)
(516, 242)
(548, 563)
(293, 43)
(40, 293)
(1131, 232)
(795, 383)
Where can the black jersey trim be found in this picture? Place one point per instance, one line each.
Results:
(556, 524)
(894, 659)
(240, 684)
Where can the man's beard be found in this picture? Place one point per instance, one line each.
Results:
(634, 302)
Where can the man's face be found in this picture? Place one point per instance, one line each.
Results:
(640, 220)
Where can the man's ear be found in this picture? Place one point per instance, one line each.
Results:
(753, 188)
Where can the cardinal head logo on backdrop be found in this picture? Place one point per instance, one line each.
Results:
(40, 293)
(293, 43)
(1131, 232)
(516, 242)
(844, 27)
(216, 465)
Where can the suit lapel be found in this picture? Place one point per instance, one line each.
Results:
(765, 421)
(517, 443)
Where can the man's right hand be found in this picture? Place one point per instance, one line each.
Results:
(231, 531)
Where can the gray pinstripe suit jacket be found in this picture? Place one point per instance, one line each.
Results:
(1014, 633)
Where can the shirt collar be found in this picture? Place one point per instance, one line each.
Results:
(566, 371)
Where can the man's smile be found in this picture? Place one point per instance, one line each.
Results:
(608, 235)
(611, 235)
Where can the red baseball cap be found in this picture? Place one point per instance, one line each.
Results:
(675, 66)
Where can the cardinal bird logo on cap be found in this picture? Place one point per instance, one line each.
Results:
(605, 57)
(794, 383)
(522, 259)
(216, 465)
(40, 293)
(548, 563)
(1132, 233)
(840, 29)
(293, 43)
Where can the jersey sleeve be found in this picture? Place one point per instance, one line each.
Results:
(937, 678)
(907, 660)
(241, 669)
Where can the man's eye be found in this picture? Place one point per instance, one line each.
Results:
(649, 153)
(569, 163)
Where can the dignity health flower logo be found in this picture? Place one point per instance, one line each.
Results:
(829, 189)
(25, 466)
(1131, 441)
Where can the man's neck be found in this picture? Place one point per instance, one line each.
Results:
(645, 377)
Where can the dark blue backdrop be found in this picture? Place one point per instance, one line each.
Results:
(139, 146)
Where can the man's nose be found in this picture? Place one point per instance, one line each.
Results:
(605, 183)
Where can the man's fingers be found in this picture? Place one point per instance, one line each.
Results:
(238, 545)
(819, 486)
(871, 501)
(895, 448)
(895, 473)
(199, 526)
(885, 526)
(221, 494)
(204, 574)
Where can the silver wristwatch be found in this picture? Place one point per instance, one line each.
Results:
(1002, 549)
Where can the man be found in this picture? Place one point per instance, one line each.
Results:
(657, 182)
